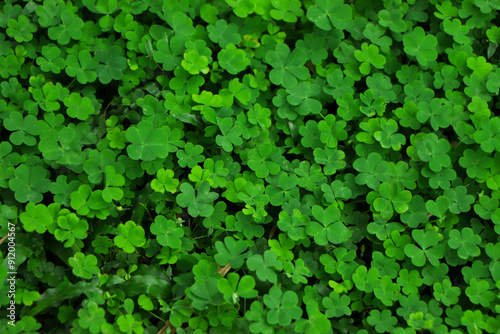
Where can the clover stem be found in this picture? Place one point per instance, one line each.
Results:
(154, 315)
(71, 82)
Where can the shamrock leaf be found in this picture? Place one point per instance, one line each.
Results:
(24, 128)
(71, 227)
(231, 134)
(383, 322)
(369, 56)
(373, 170)
(233, 60)
(332, 159)
(286, 10)
(112, 63)
(327, 228)
(167, 232)
(231, 251)
(78, 106)
(165, 181)
(465, 241)
(149, 143)
(446, 293)
(263, 160)
(223, 33)
(70, 28)
(84, 266)
(265, 265)
(198, 204)
(328, 14)
(190, 156)
(21, 29)
(168, 52)
(336, 305)
(131, 236)
(388, 137)
(435, 151)
(233, 287)
(287, 66)
(36, 217)
(282, 306)
(430, 248)
(418, 44)
(52, 61)
(29, 183)
(301, 96)
(478, 292)
(82, 66)
(488, 134)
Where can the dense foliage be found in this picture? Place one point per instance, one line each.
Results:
(250, 166)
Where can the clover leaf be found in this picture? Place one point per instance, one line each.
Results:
(430, 249)
(200, 203)
(82, 66)
(30, 183)
(233, 60)
(328, 14)
(23, 128)
(112, 63)
(84, 265)
(149, 143)
(165, 181)
(233, 287)
(265, 265)
(369, 56)
(421, 46)
(327, 228)
(71, 227)
(78, 106)
(223, 33)
(131, 236)
(21, 29)
(465, 241)
(287, 65)
(282, 306)
(70, 28)
(231, 251)
(167, 232)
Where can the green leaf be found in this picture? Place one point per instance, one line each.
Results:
(265, 265)
(233, 60)
(282, 306)
(84, 266)
(131, 236)
(328, 14)
(423, 47)
(231, 251)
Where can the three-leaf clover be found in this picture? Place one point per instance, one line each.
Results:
(29, 183)
(149, 143)
(233, 60)
(418, 44)
(465, 241)
(84, 265)
(78, 106)
(327, 228)
(200, 203)
(328, 14)
(233, 287)
(283, 306)
(287, 65)
(265, 265)
(167, 232)
(131, 236)
(430, 248)
(231, 251)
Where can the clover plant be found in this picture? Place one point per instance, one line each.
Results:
(240, 166)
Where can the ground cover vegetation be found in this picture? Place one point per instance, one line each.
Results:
(250, 166)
